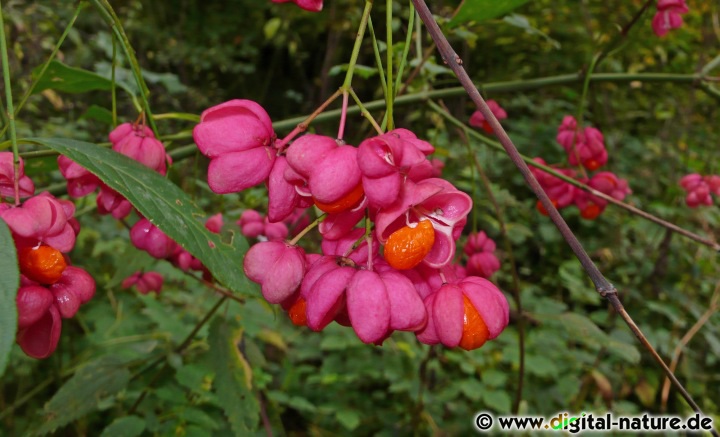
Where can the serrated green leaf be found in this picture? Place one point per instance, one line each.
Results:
(583, 330)
(9, 283)
(626, 351)
(233, 378)
(129, 426)
(164, 204)
(481, 10)
(64, 78)
(82, 393)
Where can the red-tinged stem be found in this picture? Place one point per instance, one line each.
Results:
(603, 286)
(303, 125)
(343, 114)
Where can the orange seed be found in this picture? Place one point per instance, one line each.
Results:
(42, 264)
(344, 203)
(298, 313)
(407, 246)
(475, 331)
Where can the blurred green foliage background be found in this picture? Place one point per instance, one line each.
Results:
(579, 355)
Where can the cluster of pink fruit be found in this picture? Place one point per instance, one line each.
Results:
(137, 142)
(411, 285)
(44, 231)
(585, 148)
(699, 189)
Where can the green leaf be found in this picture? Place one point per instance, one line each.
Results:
(164, 204)
(233, 378)
(129, 426)
(583, 330)
(350, 419)
(82, 393)
(98, 113)
(523, 23)
(9, 283)
(481, 10)
(68, 79)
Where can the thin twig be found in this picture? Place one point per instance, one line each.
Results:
(603, 286)
(684, 342)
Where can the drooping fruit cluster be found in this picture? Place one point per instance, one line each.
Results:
(699, 189)
(133, 140)
(480, 250)
(145, 282)
(477, 119)
(388, 180)
(668, 16)
(44, 231)
(584, 148)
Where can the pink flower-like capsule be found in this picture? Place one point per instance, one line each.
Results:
(41, 219)
(328, 172)
(482, 264)
(33, 301)
(74, 288)
(145, 282)
(7, 177)
(436, 200)
(239, 139)
(254, 225)
(668, 16)
(39, 340)
(80, 182)
(146, 236)
(465, 313)
(381, 302)
(698, 189)
(323, 289)
(568, 132)
(386, 160)
(282, 196)
(479, 242)
(140, 144)
(713, 182)
(308, 5)
(589, 151)
(561, 193)
(477, 119)
(591, 206)
(278, 267)
(110, 201)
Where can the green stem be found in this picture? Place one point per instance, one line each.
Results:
(586, 86)
(495, 145)
(358, 44)
(365, 112)
(406, 49)
(307, 229)
(9, 108)
(112, 79)
(45, 66)
(378, 59)
(178, 116)
(389, 96)
(112, 20)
